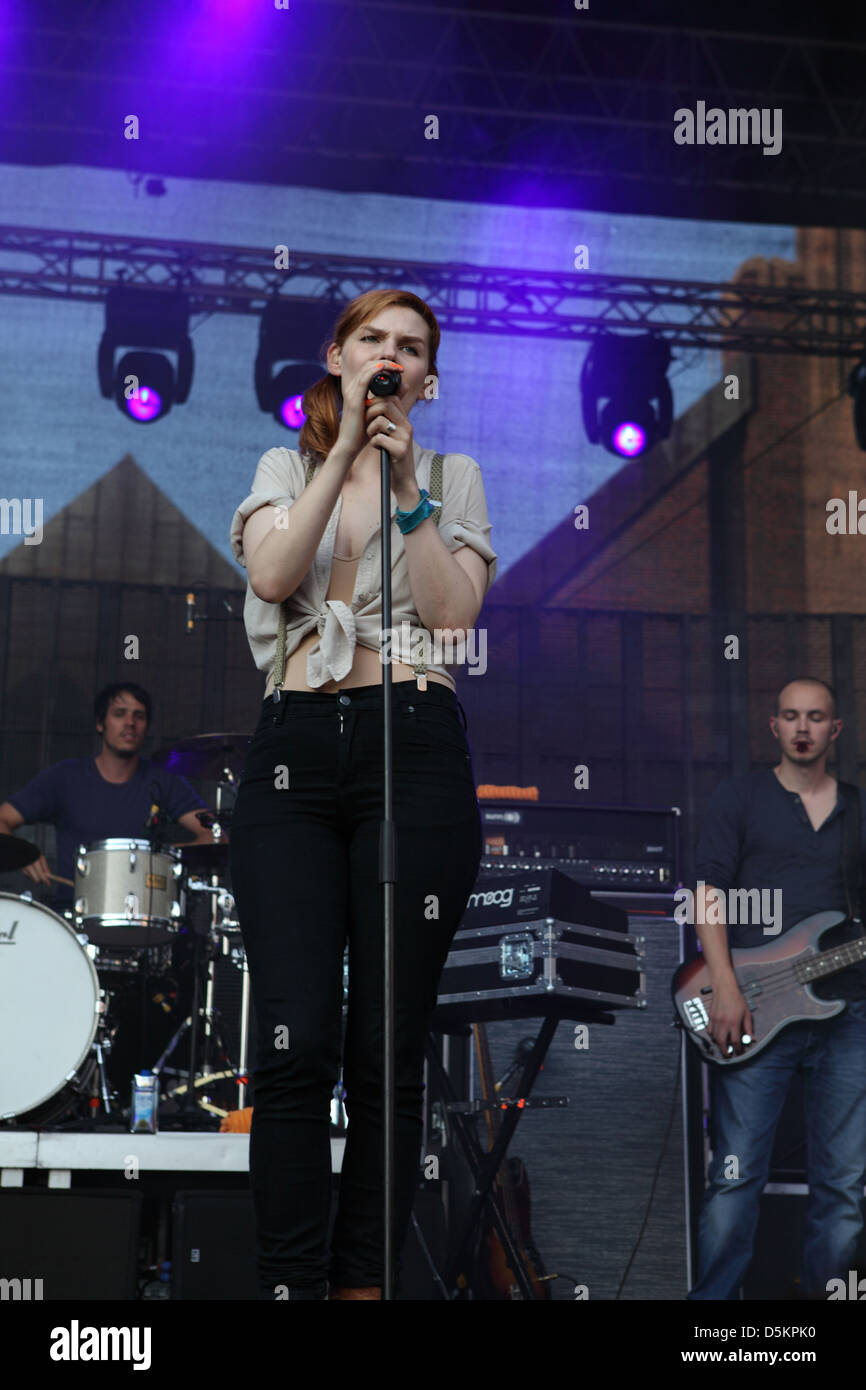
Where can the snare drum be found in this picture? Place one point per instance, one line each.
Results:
(127, 893)
(49, 1010)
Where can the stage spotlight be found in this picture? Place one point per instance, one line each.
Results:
(291, 331)
(144, 384)
(857, 389)
(155, 380)
(286, 393)
(625, 394)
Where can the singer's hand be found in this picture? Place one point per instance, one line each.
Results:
(353, 420)
(398, 442)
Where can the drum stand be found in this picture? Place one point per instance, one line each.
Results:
(86, 1092)
(103, 1080)
(192, 1113)
(238, 957)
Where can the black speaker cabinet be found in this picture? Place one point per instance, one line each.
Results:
(213, 1245)
(80, 1244)
(607, 1172)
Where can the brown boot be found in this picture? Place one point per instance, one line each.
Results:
(355, 1293)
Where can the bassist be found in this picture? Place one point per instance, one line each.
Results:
(782, 828)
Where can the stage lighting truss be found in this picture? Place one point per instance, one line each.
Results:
(144, 383)
(289, 333)
(625, 394)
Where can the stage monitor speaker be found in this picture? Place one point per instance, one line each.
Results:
(214, 1249)
(213, 1245)
(81, 1244)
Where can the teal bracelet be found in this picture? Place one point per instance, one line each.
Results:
(407, 521)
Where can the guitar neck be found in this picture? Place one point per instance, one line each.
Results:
(485, 1076)
(837, 958)
(494, 1121)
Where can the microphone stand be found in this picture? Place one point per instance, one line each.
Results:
(386, 383)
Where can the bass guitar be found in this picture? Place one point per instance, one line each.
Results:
(775, 981)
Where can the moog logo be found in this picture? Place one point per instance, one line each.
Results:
(497, 897)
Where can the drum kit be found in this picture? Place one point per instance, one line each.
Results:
(64, 978)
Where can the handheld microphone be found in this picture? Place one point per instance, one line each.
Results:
(386, 381)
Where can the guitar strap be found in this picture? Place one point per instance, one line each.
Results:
(851, 856)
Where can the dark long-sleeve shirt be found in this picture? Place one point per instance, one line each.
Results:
(756, 834)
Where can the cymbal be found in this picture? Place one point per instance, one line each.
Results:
(205, 756)
(16, 854)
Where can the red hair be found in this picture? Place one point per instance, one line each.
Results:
(321, 401)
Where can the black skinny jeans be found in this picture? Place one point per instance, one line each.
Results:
(304, 859)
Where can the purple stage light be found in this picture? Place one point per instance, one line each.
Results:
(629, 439)
(292, 413)
(146, 405)
(144, 382)
(628, 374)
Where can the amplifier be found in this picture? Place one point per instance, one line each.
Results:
(632, 848)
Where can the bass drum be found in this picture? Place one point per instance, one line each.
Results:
(49, 1011)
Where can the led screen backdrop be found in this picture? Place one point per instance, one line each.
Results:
(514, 405)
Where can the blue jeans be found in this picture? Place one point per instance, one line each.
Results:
(745, 1104)
(304, 860)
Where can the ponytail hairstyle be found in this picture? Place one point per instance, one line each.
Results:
(322, 401)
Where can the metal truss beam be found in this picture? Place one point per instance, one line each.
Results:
(567, 97)
(476, 299)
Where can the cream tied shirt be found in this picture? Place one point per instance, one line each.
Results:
(280, 479)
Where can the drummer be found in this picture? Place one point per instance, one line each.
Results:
(110, 796)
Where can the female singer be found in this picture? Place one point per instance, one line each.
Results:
(304, 838)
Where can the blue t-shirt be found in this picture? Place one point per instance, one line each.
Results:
(73, 796)
(756, 834)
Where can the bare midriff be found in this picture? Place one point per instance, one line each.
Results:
(366, 666)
